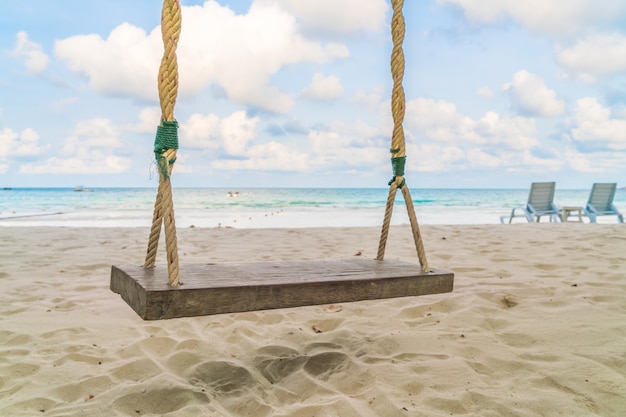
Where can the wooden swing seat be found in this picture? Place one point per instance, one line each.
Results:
(206, 289)
(217, 288)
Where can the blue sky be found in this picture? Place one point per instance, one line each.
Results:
(499, 93)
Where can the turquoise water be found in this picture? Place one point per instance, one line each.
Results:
(264, 207)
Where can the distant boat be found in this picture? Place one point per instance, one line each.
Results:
(233, 194)
(81, 189)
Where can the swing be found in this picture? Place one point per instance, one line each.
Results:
(156, 292)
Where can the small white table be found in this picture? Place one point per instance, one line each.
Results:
(567, 212)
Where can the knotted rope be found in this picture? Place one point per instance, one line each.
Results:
(166, 144)
(398, 148)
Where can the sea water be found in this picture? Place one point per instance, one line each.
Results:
(266, 207)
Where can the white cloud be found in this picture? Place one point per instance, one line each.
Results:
(64, 103)
(595, 124)
(603, 160)
(478, 158)
(149, 119)
(595, 56)
(437, 135)
(232, 134)
(340, 16)
(237, 131)
(552, 17)
(270, 156)
(324, 88)
(92, 136)
(440, 122)
(232, 137)
(200, 132)
(579, 161)
(106, 164)
(517, 133)
(240, 52)
(362, 133)
(434, 157)
(88, 150)
(442, 157)
(35, 59)
(342, 148)
(531, 97)
(126, 63)
(23, 144)
(371, 98)
(485, 91)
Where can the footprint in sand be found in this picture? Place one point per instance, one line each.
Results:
(22, 369)
(15, 339)
(278, 362)
(84, 389)
(38, 405)
(67, 333)
(157, 346)
(136, 370)
(158, 401)
(223, 377)
(325, 364)
(324, 325)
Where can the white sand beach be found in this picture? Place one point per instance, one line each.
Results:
(535, 326)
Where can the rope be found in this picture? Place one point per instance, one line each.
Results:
(388, 211)
(417, 237)
(397, 73)
(398, 147)
(166, 144)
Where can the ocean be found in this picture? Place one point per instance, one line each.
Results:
(266, 207)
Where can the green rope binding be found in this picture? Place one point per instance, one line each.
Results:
(398, 164)
(166, 138)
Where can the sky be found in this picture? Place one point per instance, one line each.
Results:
(291, 93)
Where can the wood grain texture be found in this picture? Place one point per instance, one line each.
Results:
(235, 287)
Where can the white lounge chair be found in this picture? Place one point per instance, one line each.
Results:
(601, 202)
(540, 203)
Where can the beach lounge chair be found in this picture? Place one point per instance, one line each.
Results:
(600, 202)
(540, 203)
